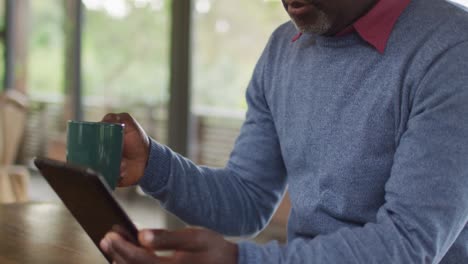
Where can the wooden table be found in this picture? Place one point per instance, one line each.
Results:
(43, 233)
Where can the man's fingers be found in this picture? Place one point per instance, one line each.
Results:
(123, 171)
(111, 118)
(105, 245)
(190, 239)
(124, 234)
(123, 166)
(121, 118)
(124, 180)
(122, 251)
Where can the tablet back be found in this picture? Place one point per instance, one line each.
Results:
(89, 200)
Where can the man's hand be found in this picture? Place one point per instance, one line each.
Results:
(190, 245)
(135, 148)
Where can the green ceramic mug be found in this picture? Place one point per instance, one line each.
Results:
(98, 146)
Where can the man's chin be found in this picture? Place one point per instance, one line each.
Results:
(318, 29)
(319, 24)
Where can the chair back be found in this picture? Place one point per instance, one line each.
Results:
(13, 116)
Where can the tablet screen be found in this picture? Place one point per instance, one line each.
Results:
(90, 201)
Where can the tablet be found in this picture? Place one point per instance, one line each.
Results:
(89, 199)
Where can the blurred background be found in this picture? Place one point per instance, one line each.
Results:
(180, 67)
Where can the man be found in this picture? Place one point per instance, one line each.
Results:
(363, 115)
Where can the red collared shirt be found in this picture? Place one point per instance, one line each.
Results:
(376, 25)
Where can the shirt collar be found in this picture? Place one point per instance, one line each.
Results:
(376, 25)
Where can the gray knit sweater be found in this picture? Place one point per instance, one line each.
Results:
(372, 147)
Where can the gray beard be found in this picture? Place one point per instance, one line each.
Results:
(322, 26)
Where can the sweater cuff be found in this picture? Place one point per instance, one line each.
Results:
(157, 169)
(248, 253)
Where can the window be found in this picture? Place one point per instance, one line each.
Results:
(46, 49)
(126, 59)
(126, 49)
(229, 37)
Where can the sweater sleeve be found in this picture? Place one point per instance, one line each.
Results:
(236, 200)
(426, 196)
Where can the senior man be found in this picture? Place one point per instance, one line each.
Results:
(360, 108)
